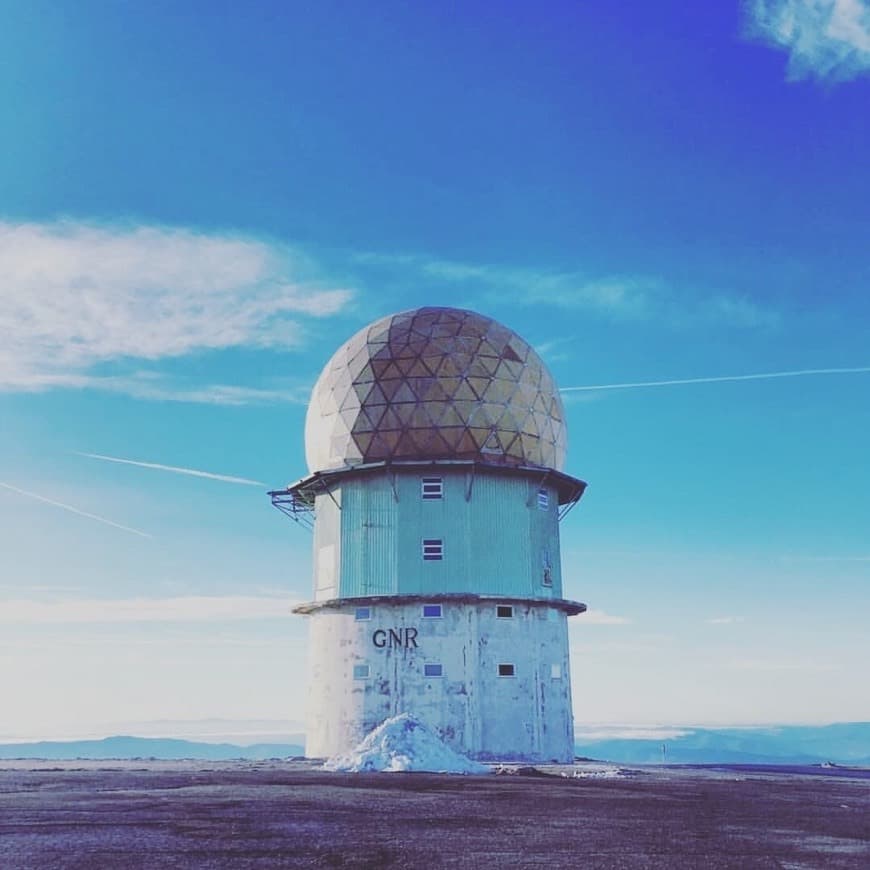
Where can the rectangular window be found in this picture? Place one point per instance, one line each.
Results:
(433, 670)
(433, 549)
(363, 613)
(432, 611)
(555, 672)
(432, 487)
(543, 500)
(504, 611)
(505, 670)
(360, 672)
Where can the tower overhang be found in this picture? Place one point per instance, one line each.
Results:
(569, 608)
(297, 499)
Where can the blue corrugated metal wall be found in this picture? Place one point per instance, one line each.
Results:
(496, 538)
(369, 537)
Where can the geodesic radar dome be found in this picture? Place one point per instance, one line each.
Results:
(435, 383)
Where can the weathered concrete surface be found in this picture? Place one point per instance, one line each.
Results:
(245, 815)
(474, 710)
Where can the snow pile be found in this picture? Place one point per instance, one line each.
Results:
(403, 743)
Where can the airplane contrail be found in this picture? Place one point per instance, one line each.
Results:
(74, 510)
(226, 478)
(714, 380)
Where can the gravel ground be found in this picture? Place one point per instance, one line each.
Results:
(146, 814)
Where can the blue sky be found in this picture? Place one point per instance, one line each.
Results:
(199, 202)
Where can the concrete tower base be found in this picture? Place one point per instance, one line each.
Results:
(489, 675)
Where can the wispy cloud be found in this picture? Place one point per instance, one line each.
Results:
(628, 732)
(615, 296)
(618, 295)
(77, 295)
(763, 664)
(719, 379)
(724, 620)
(825, 558)
(161, 388)
(167, 390)
(825, 39)
(31, 588)
(73, 510)
(226, 478)
(599, 617)
(182, 609)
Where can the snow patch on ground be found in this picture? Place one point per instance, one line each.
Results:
(598, 772)
(403, 743)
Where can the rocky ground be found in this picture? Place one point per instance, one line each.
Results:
(146, 814)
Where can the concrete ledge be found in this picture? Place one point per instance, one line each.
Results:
(571, 608)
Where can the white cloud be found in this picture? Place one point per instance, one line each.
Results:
(181, 609)
(724, 620)
(617, 296)
(192, 472)
(826, 39)
(599, 617)
(77, 295)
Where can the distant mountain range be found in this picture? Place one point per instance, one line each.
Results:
(146, 747)
(843, 743)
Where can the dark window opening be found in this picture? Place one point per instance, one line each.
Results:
(433, 549)
(432, 487)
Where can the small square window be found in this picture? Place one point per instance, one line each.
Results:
(361, 672)
(432, 487)
(433, 549)
(363, 613)
(543, 500)
(555, 672)
(432, 611)
(504, 611)
(505, 670)
(433, 670)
